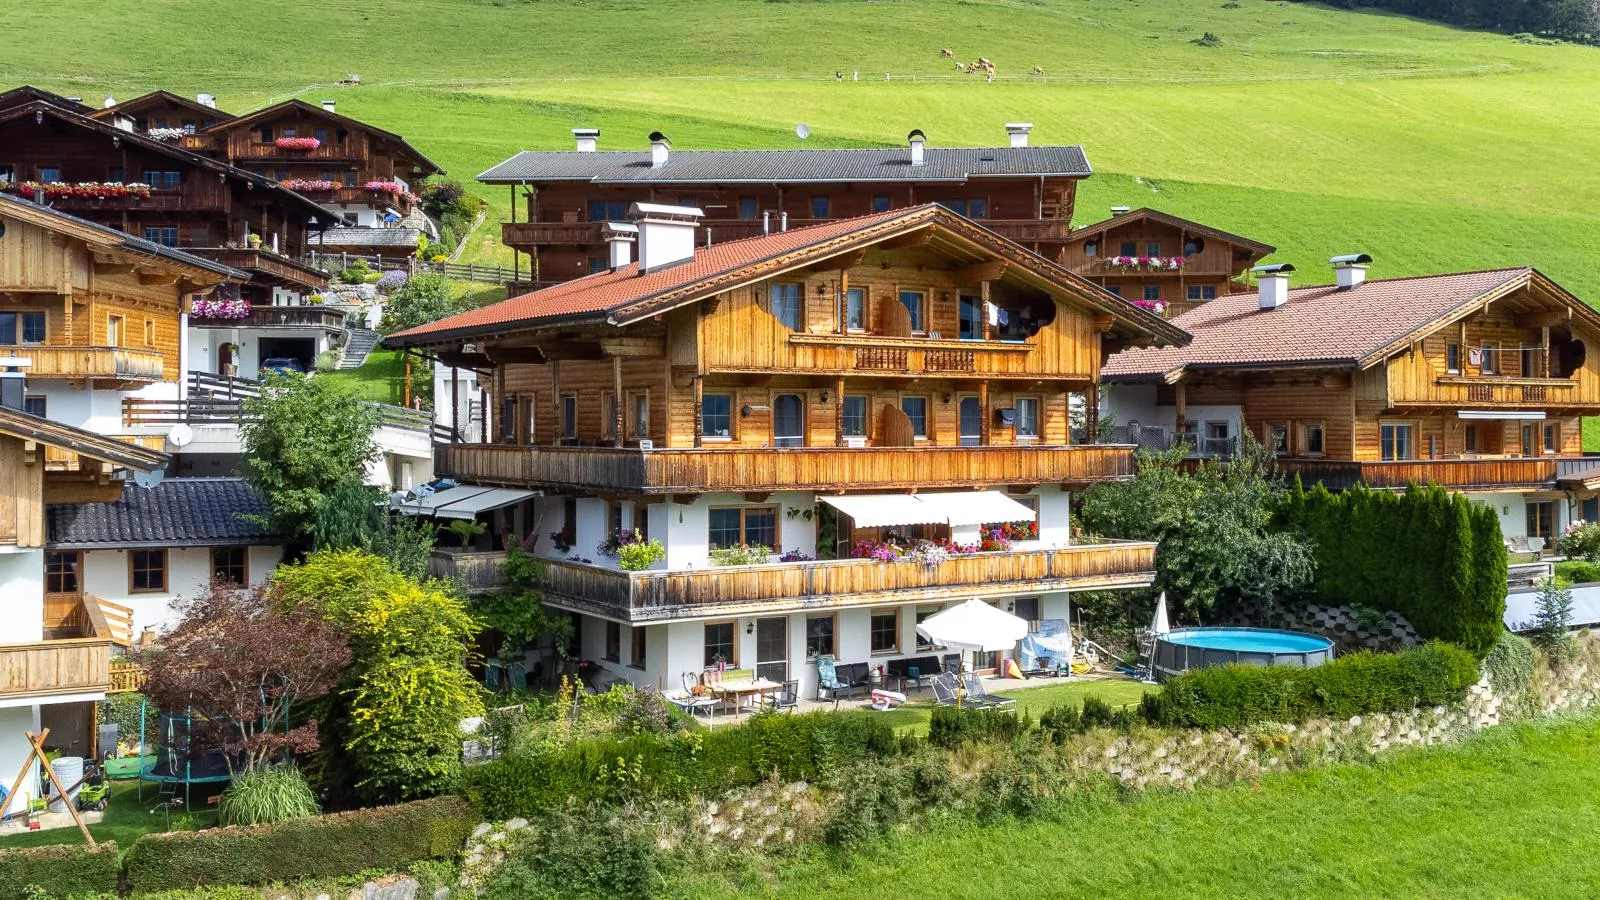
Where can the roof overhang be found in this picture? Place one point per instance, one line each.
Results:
(464, 501)
(23, 426)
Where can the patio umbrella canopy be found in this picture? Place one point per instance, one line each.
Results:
(974, 625)
(1159, 624)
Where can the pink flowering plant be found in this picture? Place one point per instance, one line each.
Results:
(221, 308)
(1580, 540)
(1156, 306)
(1145, 263)
(86, 190)
(303, 185)
(297, 143)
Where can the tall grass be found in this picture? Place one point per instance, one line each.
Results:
(267, 795)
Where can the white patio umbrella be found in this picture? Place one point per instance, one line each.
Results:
(973, 625)
(1159, 624)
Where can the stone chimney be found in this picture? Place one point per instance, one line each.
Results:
(207, 100)
(1350, 270)
(1272, 285)
(1018, 131)
(620, 237)
(918, 141)
(588, 139)
(660, 149)
(666, 234)
(329, 106)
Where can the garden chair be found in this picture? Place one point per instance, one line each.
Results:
(952, 663)
(981, 696)
(944, 689)
(788, 698)
(517, 676)
(828, 681)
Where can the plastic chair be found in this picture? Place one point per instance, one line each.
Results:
(788, 696)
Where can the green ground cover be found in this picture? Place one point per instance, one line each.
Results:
(125, 821)
(1504, 815)
(380, 379)
(913, 717)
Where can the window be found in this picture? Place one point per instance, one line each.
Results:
(230, 565)
(613, 642)
(719, 643)
(7, 173)
(1311, 439)
(1091, 249)
(1541, 518)
(971, 421)
(788, 421)
(1527, 440)
(147, 571)
(525, 426)
(916, 409)
(281, 175)
(607, 211)
(885, 629)
(350, 178)
(569, 418)
(1530, 363)
(880, 204)
(113, 174)
(1152, 292)
(1152, 248)
(508, 419)
(1027, 417)
(971, 314)
(1128, 248)
(1452, 357)
(1192, 246)
(785, 299)
(608, 415)
(1395, 440)
(1202, 292)
(749, 208)
(22, 327)
(978, 208)
(114, 331)
(48, 174)
(855, 416)
(914, 301)
(716, 415)
(819, 636)
(636, 648)
(1278, 437)
(61, 572)
(819, 207)
(166, 236)
(149, 332)
(639, 409)
(329, 176)
(163, 180)
(1491, 359)
(598, 264)
(1026, 608)
(855, 309)
(291, 132)
(1552, 437)
(321, 134)
(35, 406)
(924, 612)
(1469, 439)
(613, 518)
(1115, 289)
(731, 526)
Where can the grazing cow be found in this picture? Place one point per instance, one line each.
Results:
(961, 66)
(946, 51)
(1038, 70)
(990, 79)
(984, 61)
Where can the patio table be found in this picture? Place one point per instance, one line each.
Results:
(739, 690)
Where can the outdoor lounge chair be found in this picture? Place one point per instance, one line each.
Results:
(979, 694)
(829, 687)
(788, 697)
(944, 690)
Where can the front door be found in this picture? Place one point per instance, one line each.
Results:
(772, 648)
(971, 422)
(788, 421)
(1542, 520)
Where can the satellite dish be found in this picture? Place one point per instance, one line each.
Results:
(180, 435)
(148, 480)
(802, 131)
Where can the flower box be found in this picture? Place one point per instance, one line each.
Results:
(88, 190)
(305, 185)
(165, 134)
(221, 309)
(1144, 263)
(297, 143)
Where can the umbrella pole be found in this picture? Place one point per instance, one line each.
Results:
(961, 671)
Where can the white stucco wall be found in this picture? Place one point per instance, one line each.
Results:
(188, 574)
(466, 397)
(21, 596)
(15, 722)
(1124, 403)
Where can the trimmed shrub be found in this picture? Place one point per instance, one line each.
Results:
(386, 837)
(1578, 571)
(61, 869)
(593, 853)
(1432, 556)
(1435, 674)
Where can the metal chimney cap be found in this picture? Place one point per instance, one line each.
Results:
(1274, 269)
(1351, 259)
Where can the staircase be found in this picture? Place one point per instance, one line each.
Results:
(357, 347)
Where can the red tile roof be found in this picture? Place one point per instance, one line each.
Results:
(625, 294)
(1317, 324)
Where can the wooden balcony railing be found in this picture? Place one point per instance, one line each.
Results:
(870, 354)
(1510, 474)
(733, 590)
(42, 668)
(723, 230)
(282, 316)
(120, 363)
(264, 262)
(1490, 390)
(672, 471)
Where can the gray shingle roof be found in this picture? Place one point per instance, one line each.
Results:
(132, 242)
(768, 166)
(365, 236)
(176, 512)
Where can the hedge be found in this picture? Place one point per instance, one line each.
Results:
(1578, 571)
(1233, 696)
(1431, 556)
(63, 869)
(796, 747)
(386, 837)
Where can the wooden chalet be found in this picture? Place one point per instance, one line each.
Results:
(1021, 192)
(160, 192)
(169, 117)
(901, 375)
(1160, 261)
(1474, 380)
(27, 93)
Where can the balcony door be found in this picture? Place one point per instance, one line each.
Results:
(772, 648)
(788, 421)
(971, 422)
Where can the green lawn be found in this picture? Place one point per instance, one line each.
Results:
(913, 717)
(1510, 814)
(381, 378)
(125, 821)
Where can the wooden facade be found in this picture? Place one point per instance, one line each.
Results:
(21, 494)
(44, 668)
(1212, 260)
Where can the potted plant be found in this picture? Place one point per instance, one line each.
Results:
(466, 530)
(254, 240)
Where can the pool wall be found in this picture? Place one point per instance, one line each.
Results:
(1173, 657)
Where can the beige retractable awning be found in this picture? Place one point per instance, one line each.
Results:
(950, 508)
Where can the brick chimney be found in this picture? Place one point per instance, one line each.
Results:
(588, 139)
(1018, 131)
(1350, 270)
(660, 149)
(1272, 285)
(666, 234)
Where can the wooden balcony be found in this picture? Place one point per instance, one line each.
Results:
(829, 584)
(683, 471)
(1465, 474)
(874, 354)
(276, 267)
(1492, 391)
(523, 234)
(45, 668)
(119, 363)
(280, 317)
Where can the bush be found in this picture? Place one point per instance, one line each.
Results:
(1234, 696)
(594, 853)
(266, 796)
(425, 298)
(1581, 540)
(876, 797)
(62, 869)
(1510, 666)
(639, 556)
(742, 555)
(125, 711)
(356, 272)
(1431, 556)
(386, 837)
(1578, 571)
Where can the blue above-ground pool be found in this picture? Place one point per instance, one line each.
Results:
(1199, 648)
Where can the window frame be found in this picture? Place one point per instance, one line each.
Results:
(1277, 438)
(613, 647)
(882, 203)
(1128, 248)
(1091, 249)
(920, 313)
(824, 203)
(1152, 248)
(813, 653)
(115, 334)
(1037, 405)
(19, 326)
(134, 570)
(923, 433)
(1201, 293)
(749, 208)
(638, 413)
(798, 307)
(974, 303)
(243, 566)
(706, 435)
(1551, 438)
(745, 512)
(638, 647)
(962, 438)
(1490, 364)
(73, 569)
(1452, 357)
(873, 631)
(865, 417)
(1389, 451)
(569, 417)
(1319, 428)
(1469, 438)
(1152, 293)
(852, 309)
(706, 645)
(608, 415)
(790, 440)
